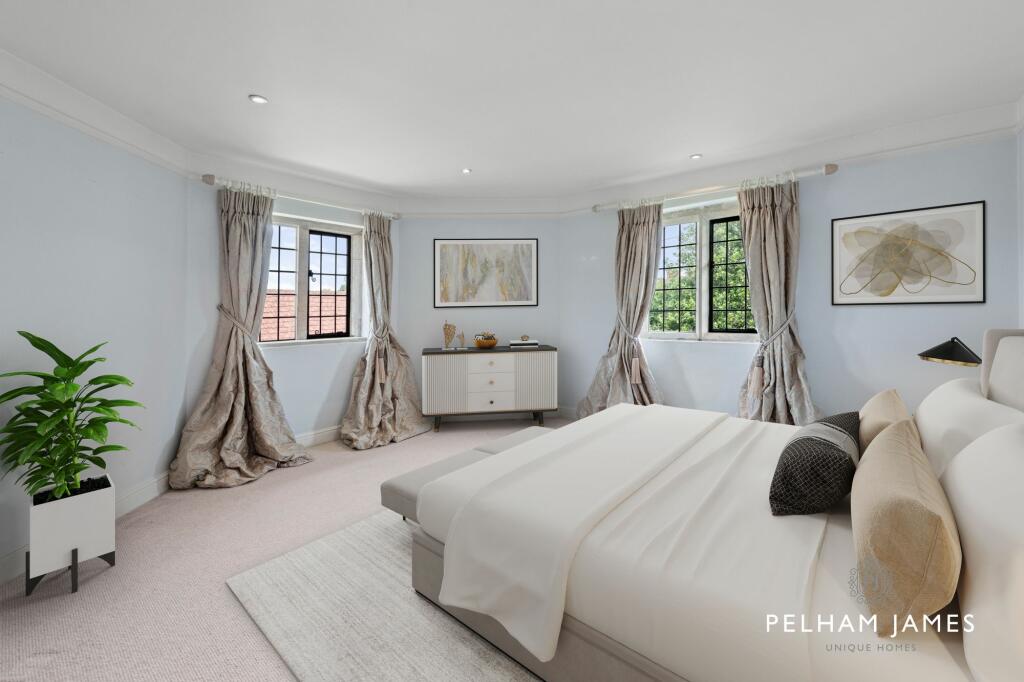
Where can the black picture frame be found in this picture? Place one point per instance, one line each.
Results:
(536, 271)
(984, 268)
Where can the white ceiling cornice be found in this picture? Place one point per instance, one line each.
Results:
(30, 86)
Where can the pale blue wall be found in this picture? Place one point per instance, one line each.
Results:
(94, 249)
(418, 323)
(854, 351)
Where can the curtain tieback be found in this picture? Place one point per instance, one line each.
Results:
(634, 366)
(379, 366)
(230, 317)
(759, 359)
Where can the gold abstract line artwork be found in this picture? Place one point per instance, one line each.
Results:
(907, 256)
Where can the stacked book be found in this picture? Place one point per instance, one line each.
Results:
(521, 343)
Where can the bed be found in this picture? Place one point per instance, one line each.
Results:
(666, 563)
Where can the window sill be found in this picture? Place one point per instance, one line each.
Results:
(732, 339)
(311, 342)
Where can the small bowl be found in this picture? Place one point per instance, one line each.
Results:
(485, 343)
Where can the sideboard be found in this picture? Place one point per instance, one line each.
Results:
(499, 379)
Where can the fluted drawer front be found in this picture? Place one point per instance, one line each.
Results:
(494, 401)
(444, 384)
(494, 381)
(484, 363)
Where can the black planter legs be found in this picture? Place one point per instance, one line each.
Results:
(30, 583)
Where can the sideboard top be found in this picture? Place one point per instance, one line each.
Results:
(496, 349)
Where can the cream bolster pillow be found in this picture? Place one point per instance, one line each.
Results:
(984, 486)
(879, 412)
(954, 415)
(908, 550)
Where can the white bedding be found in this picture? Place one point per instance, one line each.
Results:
(684, 570)
(557, 492)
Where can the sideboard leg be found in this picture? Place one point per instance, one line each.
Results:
(74, 570)
(437, 424)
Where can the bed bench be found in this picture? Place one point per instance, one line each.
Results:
(399, 493)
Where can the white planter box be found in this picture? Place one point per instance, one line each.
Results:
(84, 522)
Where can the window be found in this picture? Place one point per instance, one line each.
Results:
(312, 277)
(729, 308)
(328, 285)
(701, 289)
(278, 322)
(674, 308)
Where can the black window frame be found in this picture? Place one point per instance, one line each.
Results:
(662, 277)
(348, 284)
(748, 318)
(276, 237)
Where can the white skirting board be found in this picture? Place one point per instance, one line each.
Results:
(318, 437)
(12, 564)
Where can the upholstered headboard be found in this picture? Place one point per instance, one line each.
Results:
(1002, 368)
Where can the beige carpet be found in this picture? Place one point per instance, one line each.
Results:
(165, 612)
(341, 608)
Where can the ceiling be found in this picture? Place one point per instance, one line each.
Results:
(539, 98)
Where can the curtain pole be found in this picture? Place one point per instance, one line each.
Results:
(827, 169)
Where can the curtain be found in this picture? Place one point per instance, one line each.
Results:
(776, 387)
(622, 374)
(237, 431)
(384, 404)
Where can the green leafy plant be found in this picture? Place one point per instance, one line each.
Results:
(61, 428)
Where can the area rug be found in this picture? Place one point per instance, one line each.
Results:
(343, 608)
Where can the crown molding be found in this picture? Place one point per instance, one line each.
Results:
(28, 85)
(935, 133)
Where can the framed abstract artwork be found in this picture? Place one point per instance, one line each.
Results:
(926, 255)
(472, 273)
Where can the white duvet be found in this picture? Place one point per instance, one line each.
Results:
(652, 526)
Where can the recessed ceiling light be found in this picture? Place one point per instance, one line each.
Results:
(467, 171)
(696, 157)
(258, 99)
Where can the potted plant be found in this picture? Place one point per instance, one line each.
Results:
(59, 430)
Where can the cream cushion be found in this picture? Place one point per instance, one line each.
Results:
(984, 488)
(955, 414)
(879, 412)
(908, 550)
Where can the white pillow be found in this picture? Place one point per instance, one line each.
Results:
(954, 415)
(983, 485)
(1006, 378)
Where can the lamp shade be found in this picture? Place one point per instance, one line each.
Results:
(952, 352)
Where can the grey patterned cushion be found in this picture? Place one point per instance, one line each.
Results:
(815, 470)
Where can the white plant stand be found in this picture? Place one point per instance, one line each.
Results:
(65, 532)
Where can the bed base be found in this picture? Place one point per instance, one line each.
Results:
(583, 655)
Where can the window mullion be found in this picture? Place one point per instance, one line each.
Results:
(302, 284)
(704, 276)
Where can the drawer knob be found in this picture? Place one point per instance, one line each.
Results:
(492, 402)
(491, 363)
(491, 382)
